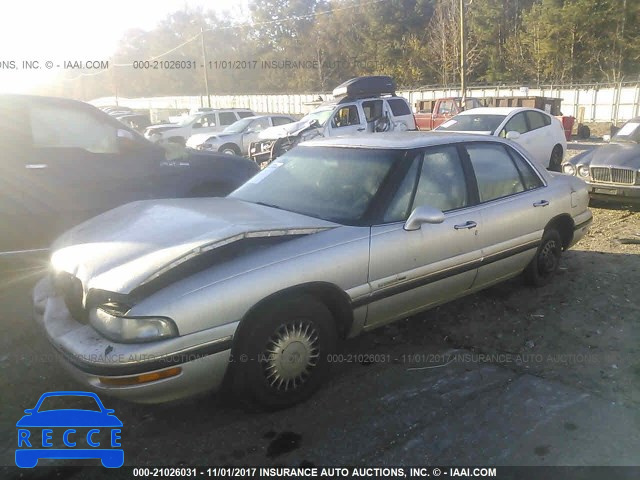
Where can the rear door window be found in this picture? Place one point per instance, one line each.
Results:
(495, 171)
(227, 118)
(536, 120)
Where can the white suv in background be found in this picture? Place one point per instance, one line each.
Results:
(363, 105)
(201, 122)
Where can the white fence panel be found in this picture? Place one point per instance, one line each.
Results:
(607, 104)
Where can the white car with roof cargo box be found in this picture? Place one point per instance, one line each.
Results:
(363, 105)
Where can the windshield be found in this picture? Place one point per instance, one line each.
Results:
(187, 120)
(472, 123)
(239, 126)
(336, 184)
(629, 132)
(321, 114)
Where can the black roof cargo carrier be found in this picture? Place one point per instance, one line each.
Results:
(360, 87)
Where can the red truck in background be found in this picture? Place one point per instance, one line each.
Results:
(431, 113)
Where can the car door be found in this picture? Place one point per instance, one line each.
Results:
(79, 163)
(348, 119)
(410, 270)
(514, 208)
(529, 135)
(541, 136)
(252, 132)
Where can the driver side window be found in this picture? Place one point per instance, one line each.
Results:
(441, 184)
(208, 120)
(57, 126)
(346, 116)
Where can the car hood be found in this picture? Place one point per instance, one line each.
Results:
(162, 128)
(200, 138)
(281, 131)
(69, 418)
(467, 132)
(135, 243)
(625, 155)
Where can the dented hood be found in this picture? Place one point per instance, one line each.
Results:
(126, 247)
(281, 131)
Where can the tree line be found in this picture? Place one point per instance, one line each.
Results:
(298, 46)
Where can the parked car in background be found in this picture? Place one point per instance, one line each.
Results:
(202, 122)
(137, 122)
(541, 134)
(339, 236)
(611, 171)
(364, 105)
(236, 138)
(432, 113)
(64, 161)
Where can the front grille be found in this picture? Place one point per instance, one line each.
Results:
(70, 288)
(622, 176)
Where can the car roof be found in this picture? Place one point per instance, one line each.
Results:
(498, 110)
(401, 140)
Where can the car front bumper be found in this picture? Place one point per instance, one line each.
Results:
(614, 192)
(110, 368)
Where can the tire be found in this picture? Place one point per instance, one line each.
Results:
(584, 132)
(544, 265)
(300, 331)
(556, 159)
(229, 149)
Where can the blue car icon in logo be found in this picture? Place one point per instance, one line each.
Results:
(80, 433)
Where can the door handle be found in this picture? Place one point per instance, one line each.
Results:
(469, 224)
(541, 203)
(35, 166)
(361, 129)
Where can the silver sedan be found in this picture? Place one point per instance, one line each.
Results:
(158, 300)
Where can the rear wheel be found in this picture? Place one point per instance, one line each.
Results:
(556, 159)
(281, 356)
(545, 264)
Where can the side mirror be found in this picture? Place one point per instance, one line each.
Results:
(606, 138)
(423, 214)
(513, 135)
(197, 125)
(29, 411)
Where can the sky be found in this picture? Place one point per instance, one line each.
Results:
(70, 30)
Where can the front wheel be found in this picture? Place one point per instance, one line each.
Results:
(282, 356)
(545, 264)
(229, 149)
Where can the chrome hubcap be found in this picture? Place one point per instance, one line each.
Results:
(290, 355)
(548, 259)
